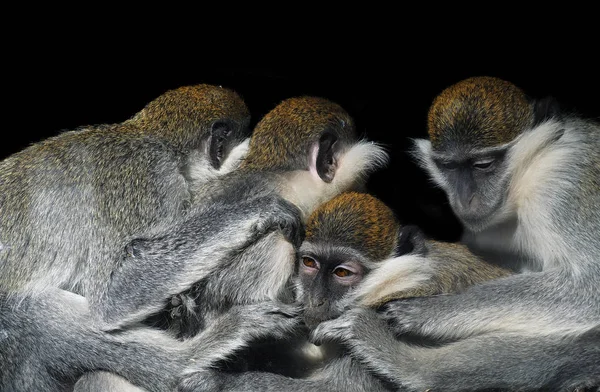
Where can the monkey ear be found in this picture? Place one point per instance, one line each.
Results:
(545, 109)
(219, 135)
(326, 163)
(411, 239)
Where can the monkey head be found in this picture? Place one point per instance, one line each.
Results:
(472, 126)
(478, 112)
(202, 116)
(312, 143)
(286, 135)
(345, 238)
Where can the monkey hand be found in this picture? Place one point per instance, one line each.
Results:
(280, 214)
(410, 315)
(272, 319)
(238, 328)
(343, 329)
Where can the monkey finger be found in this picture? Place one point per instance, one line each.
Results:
(329, 331)
(270, 318)
(288, 310)
(290, 223)
(400, 315)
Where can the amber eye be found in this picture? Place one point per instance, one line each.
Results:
(310, 263)
(342, 272)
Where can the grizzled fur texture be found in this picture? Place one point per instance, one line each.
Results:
(422, 267)
(532, 201)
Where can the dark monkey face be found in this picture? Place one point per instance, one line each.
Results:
(325, 275)
(476, 183)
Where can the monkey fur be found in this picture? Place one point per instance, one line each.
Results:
(358, 228)
(529, 198)
(70, 203)
(331, 160)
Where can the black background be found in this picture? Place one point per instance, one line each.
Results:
(389, 104)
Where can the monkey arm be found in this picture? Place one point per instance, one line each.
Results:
(513, 304)
(168, 263)
(511, 361)
(341, 374)
(50, 340)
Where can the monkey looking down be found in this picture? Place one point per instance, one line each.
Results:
(69, 203)
(68, 206)
(306, 150)
(357, 254)
(524, 179)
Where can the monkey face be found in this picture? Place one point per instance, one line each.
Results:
(476, 181)
(326, 273)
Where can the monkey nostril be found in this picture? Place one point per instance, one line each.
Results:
(317, 303)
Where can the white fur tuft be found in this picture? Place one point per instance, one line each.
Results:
(422, 153)
(200, 170)
(306, 190)
(393, 276)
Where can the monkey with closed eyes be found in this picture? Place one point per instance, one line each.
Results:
(524, 180)
(314, 154)
(357, 254)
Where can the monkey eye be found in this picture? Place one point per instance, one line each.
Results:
(483, 164)
(342, 272)
(310, 263)
(448, 165)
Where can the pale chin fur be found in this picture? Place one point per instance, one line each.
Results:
(422, 153)
(307, 190)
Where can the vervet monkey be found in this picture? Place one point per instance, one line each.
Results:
(314, 154)
(357, 254)
(524, 180)
(69, 204)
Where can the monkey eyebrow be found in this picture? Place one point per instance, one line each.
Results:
(320, 249)
(480, 153)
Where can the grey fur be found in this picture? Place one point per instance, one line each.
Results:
(233, 247)
(47, 343)
(426, 267)
(70, 204)
(499, 361)
(548, 222)
(340, 374)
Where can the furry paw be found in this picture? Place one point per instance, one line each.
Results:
(269, 318)
(403, 316)
(279, 214)
(341, 329)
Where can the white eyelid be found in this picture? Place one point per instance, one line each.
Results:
(346, 267)
(485, 161)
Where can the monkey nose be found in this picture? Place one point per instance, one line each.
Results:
(318, 303)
